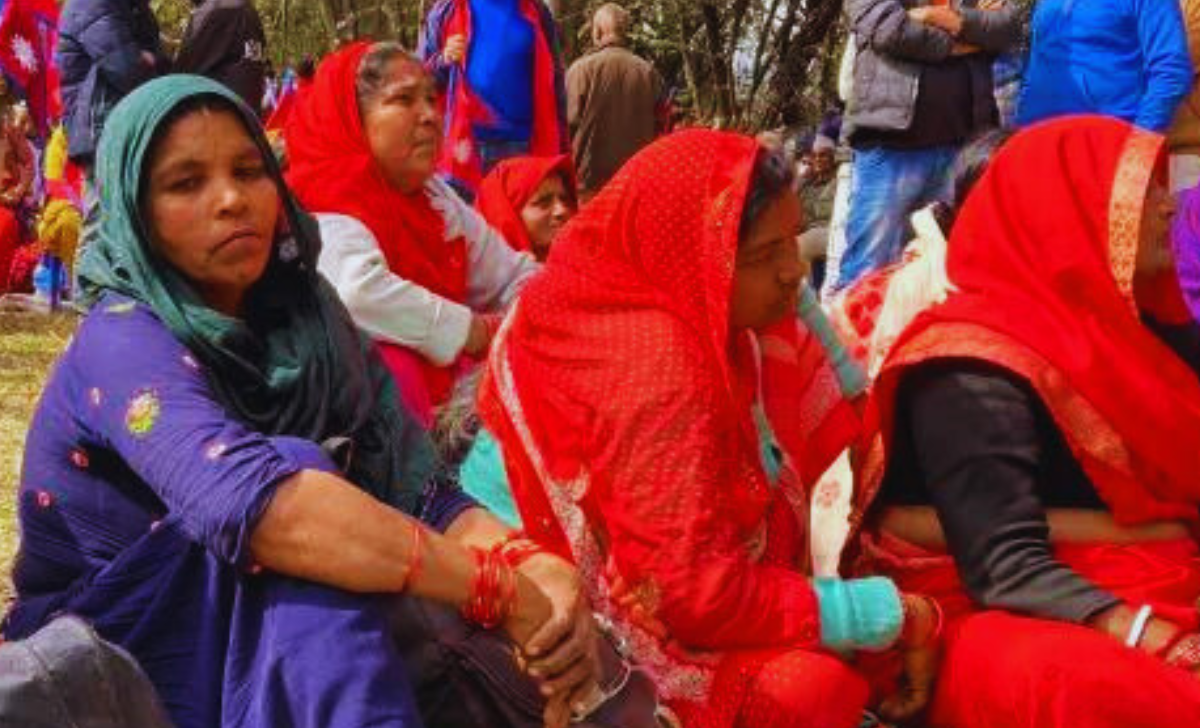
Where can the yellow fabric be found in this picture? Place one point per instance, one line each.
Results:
(55, 165)
(58, 229)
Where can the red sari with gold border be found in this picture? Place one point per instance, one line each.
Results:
(1043, 257)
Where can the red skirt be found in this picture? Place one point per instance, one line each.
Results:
(780, 688)
(1001, 670)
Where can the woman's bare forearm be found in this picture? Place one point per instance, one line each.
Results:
(321, 528)
(478, 528)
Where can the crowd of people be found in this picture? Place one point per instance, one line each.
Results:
(451, 387)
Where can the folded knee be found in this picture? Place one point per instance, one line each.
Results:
(805, 690)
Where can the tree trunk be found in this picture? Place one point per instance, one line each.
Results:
(570, 17)
(796, 54)
(720, 65)
(764, 56)
(688, 61)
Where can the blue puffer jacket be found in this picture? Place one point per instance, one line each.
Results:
(99, 57)
(1122, 58)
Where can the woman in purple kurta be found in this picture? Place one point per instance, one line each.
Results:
(137, 499)
(1185, 241)
(217, 477)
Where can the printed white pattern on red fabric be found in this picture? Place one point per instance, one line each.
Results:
(22, 50)
(675, 679)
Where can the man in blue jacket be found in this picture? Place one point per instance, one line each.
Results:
(1123, 58)
(922, 88)
(106, 48)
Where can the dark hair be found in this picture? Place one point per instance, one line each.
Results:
(970, 164)
(373, 69)
(773, 175)
(307, 68)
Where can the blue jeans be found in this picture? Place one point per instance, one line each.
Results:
(888, 185)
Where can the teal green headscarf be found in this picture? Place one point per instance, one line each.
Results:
(295, 364)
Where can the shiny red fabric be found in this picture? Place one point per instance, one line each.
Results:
(1006, 671)
(10, 240)
(332, 170)
(281, 115)
(1043, 256)
(624, 404)
(508, 188)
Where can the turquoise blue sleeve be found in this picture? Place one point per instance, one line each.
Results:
(859, 614)
(851, 377)
(767, 451)
(482, 476)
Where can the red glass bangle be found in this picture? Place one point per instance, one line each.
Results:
(518, 551)
(941, 619)
(909, 614)
(492, 594)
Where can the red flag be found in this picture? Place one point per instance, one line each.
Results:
(28, 34)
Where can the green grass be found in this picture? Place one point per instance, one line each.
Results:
(29, 343)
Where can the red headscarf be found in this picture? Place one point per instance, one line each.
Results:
(509, 187)
(281, 115)
(623, 403)
(332, 170)
(1043, 256)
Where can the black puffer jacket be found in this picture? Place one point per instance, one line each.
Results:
(225, 41)
(892, 50)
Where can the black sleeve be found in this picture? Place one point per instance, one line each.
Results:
(993, 31)
(884, 25)
(1184, 340)
(214, 38)
(226, 43)
(978, 447)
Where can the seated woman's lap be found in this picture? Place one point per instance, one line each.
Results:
(802, 689)
(1007, 671)
(314, 655)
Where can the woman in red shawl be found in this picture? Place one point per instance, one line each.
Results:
(528, 200)
(417, 267)
(1038, 455)
(16, 178)
(623, 391)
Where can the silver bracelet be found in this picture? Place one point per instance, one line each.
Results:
(1138, 628)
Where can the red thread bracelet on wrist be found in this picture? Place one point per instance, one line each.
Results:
(414, 558)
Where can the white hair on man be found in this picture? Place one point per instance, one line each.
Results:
(610, 24)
